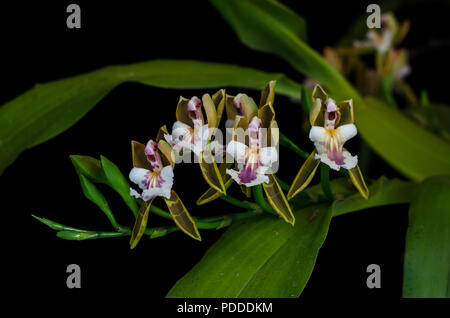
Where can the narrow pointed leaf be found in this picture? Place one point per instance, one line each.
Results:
(304, 176)
(89, 167)
(140, 224)
(382, 192)
(48, 109)
(119, 183)
(427, 251)
(358, 181)
(181, 216)
(93, 194)
(56, 226)
(259, 258)
(277, 200)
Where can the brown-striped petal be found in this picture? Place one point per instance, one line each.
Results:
(210, 171)
(358, 181)
(140, 224)
(277, 200)
(182, 113)
(304, 176)
(268, 94)
(219, 99)
(167, 154)
(346, 111)
(181, 216)
(210, 110)
(138, 155)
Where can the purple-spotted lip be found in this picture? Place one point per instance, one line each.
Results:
(248, 174)
(149, 182)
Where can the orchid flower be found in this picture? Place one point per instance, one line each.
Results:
(253, 160)
(153, 182)
(256, 153)
(332, 126)
(153, 172)
(381, 41)
(330, 138)
(189, 132)
(192, 133)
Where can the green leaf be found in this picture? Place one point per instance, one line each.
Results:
(406, 146)
(268, 26)
(382, 192)
(93, 194)
(263, 257)
(56, 226)
(119, 183)
(427, 250)
(48, 109)
(89, 167)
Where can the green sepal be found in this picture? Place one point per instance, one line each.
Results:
(140, 224)
(119, 183)
(181, 216)
(277, 200)
(304, 175)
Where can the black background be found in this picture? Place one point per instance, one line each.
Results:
(38, 47)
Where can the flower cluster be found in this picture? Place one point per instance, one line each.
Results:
(249, 158)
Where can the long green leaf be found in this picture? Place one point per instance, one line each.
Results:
(262, 258)
(93, 194)
(49, 109)
(427, 250)
(408, 147)
(119, 183)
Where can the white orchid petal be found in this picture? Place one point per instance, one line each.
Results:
(350, 161)
(268, 156)
(318, 134)
(139, 176)
(134, 193)
(237, 150)
(346, 132)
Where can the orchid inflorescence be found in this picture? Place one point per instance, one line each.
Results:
(250, 158)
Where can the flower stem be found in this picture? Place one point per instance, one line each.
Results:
(286, 142)
(236, 202)
(325, 181)
(259, 198)
(160, 212)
